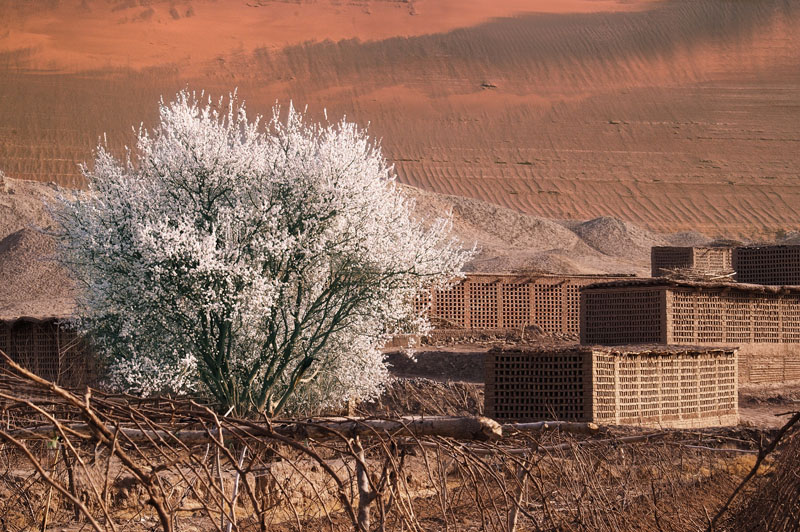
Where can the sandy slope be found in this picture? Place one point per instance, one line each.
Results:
(508, 240)
(676, 116)
(31, 283)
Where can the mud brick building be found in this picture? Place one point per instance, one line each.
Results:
(679, 386)
(763, 321)
(44, 346)
(503, 301)
(771, 265)
(699, 259)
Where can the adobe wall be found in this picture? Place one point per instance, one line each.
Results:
(712, 260)
(679, 387)
(765, 326)
(539, 384)
(501, 301)
(730, 316)
(768, 363)
(669, 258)
(621, 316)
(770, 265)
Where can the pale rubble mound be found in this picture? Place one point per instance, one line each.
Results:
(509, 240)
(32, 284)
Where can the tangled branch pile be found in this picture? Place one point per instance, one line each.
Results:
(114, 462)
(695, 274)
(776, 506)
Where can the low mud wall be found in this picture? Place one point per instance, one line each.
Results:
(50, 350)
(500, 301)
(768, 363)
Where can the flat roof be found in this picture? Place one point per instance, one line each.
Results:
(709, 246)
(630, 349)
(663, 282)
(32, 319)
(539, 275)
(770, 246)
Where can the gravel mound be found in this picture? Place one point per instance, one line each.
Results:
(618, 238)
(31, 283)
(688, 238)
(491, 225)
(22, 205)
(509, 240)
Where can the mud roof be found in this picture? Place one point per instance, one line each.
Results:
(770, 246)
(631, 349)
(530, 274)
(661, 282)
(32, 319)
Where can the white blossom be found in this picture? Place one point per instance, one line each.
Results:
(263, 264)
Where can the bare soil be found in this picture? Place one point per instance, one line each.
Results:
(768, 405)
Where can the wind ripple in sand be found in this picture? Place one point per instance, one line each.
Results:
(676, 115)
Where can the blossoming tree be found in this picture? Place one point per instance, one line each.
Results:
(262, 263)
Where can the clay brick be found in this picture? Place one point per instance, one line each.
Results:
(763, 321)
(503, 301)
(770, 265)
(666, 386)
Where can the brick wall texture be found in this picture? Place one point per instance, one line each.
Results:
(770, 265)
(766, 323)
(483, 301)
(49, 350)
(651, 386)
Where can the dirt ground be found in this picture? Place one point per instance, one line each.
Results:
(762, 406)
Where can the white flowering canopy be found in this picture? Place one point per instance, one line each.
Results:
(264, 264)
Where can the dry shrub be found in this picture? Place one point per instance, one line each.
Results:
(119, 463)
(419, 396)
(774, 503)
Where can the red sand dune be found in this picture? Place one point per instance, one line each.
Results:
(675, 115)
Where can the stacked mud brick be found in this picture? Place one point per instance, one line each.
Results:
(770, 265)
(710, 335)
(505, 301)
(710, 260)
(763, 321)
(49, 349)
(679, 386)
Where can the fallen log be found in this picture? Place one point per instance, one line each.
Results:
(461, 428)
